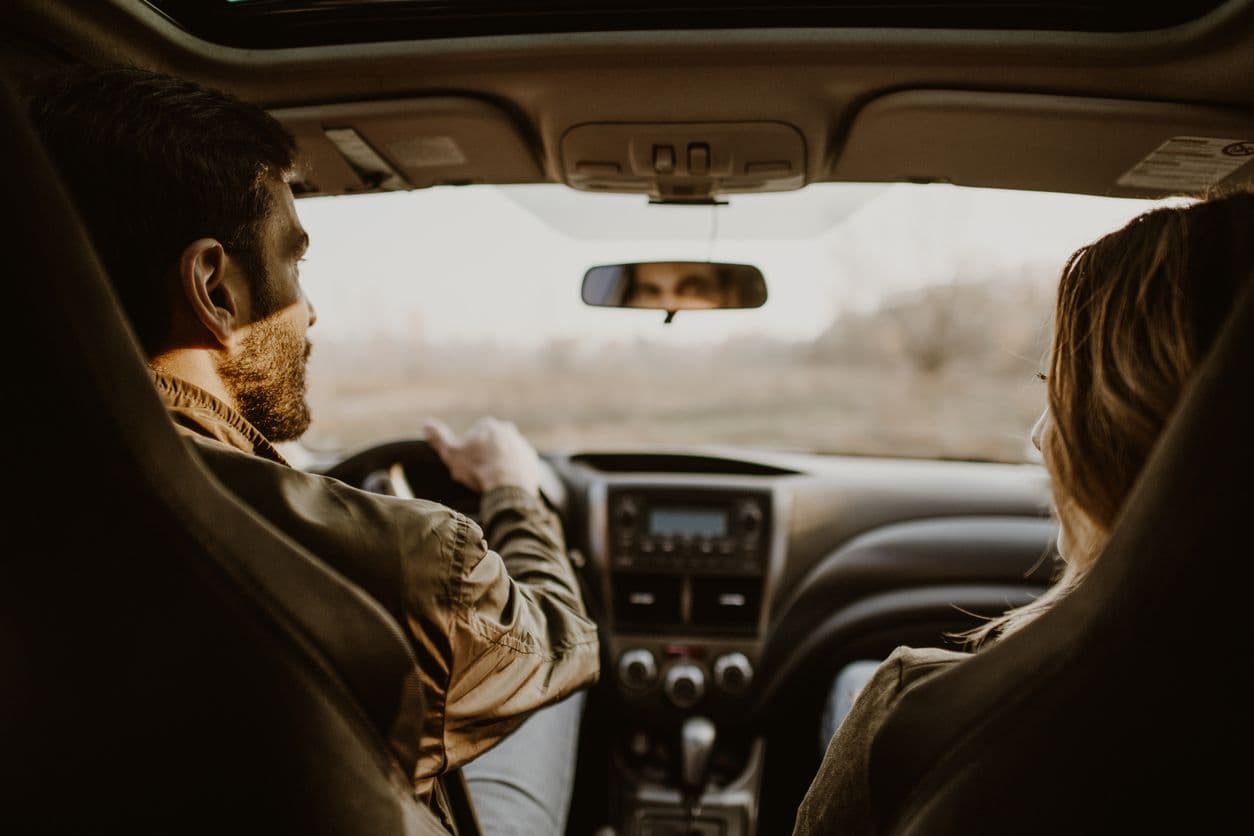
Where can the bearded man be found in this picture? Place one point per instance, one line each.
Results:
(185, 192)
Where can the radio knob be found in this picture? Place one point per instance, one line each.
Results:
(750, 518)
(626, 515)
(684, 684)
(637, 669)
(732, 673)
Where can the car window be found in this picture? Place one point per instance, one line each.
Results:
(901, 319)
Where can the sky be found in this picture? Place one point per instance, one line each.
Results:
(505, 263)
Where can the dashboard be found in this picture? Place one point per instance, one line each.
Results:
(730, 586)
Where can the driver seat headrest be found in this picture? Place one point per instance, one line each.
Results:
(172, 662)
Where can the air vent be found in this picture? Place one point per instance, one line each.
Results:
(647, 603)
(726, 604)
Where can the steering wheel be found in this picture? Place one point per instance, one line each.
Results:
(411, 468)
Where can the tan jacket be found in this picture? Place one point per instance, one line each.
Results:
(498, 624)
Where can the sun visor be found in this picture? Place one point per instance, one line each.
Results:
(1049, 143)
(407, 144)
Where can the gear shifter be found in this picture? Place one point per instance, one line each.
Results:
(696, 744)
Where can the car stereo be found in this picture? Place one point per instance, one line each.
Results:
(664, 531)
(688, 559)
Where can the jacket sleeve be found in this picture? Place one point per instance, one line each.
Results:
(515, 635)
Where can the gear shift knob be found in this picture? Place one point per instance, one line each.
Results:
(696, 744)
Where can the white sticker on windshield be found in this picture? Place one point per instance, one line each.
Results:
(1189, 164)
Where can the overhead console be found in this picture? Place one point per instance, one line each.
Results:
(1049, 143)
(692, 162)
(407, 144)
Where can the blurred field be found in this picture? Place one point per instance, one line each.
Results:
(948, 372)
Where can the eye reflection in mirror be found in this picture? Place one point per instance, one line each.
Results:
(675, 286)
(672, 286)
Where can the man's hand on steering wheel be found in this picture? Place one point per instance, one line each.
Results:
(492, 454)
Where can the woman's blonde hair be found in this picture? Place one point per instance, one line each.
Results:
(1137, 312)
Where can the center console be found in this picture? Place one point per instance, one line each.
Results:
(687, 572)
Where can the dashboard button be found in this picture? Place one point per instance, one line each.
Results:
(698, 159)
(664, 159)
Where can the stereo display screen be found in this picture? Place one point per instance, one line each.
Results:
(693, 522)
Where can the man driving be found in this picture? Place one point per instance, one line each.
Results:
(185, 192)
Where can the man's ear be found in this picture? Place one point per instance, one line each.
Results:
(211, 298)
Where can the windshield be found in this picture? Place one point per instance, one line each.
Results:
(902, 320)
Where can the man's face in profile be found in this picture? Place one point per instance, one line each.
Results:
(676, 286)
(265, 370)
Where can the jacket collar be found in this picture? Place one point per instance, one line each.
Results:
(197, 412)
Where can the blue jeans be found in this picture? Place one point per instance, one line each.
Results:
(523, 784)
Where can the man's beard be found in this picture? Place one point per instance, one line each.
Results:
(267, 379)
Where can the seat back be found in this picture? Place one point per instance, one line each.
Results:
(1126, 708)
(171, 663)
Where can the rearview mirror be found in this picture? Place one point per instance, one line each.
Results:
(675, 286)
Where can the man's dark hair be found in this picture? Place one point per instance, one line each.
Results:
(155, 162)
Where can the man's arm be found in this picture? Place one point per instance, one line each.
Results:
(494, 459)
(490, 649)
(520, 637)
(527, 536)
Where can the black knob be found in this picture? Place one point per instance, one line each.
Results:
(626, 515)
(732, 672)
(684, 684)
(750, 518)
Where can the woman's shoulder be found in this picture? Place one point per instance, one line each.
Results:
(907, 665)
(839, 798)
(904, 667)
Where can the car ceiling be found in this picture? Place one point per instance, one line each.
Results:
(1046, 110)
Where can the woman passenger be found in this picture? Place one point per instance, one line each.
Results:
(1136, 314)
